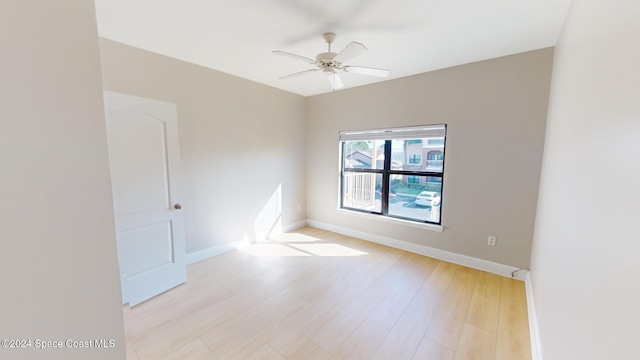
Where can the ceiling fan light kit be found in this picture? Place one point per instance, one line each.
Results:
(329, 62)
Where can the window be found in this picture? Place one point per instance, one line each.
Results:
(415, 159)
(382, 172)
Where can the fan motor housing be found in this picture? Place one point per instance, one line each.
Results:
(326, 58)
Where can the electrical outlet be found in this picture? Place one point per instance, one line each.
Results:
(492, 241)
(299, 208)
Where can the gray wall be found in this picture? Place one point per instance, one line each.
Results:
(496, 113)
(585, 263)
(57, 236)
(239, 143)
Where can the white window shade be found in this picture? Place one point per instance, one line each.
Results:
(413, 132)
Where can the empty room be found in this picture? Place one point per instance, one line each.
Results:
(296, 179)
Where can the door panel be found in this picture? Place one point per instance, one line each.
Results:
(155, 241)
(145, 175)
(139, 152)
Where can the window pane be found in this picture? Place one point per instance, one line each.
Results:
(363, 154)
(415, 197)
(362, 191)
(417, 154)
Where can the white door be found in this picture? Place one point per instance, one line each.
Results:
(144, 156)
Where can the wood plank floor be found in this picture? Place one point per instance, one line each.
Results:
(313, 294)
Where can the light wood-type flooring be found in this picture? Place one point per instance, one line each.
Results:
(313, 294)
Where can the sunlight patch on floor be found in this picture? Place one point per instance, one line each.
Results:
(293, 238)
(297, 245)
(271, 249)
(328, 249)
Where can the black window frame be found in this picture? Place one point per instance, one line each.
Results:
(386, 172)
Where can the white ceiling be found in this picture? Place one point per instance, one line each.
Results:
(406, 36)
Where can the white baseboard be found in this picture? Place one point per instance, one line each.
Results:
(204, 254)
(294, 226)
(536, 349)
(459, 259)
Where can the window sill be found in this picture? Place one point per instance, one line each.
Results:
(423, 226)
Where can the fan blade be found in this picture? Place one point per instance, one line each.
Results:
(298, 74)
(294, 56)
(352, 50)
(367, 71)
(335, 81)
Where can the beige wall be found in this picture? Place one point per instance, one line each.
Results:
(496, 113)
(585, 261)
(240, 142)
(57, 236)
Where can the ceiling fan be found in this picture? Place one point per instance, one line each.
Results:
(329, 62)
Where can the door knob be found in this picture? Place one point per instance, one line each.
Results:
(177, 206)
